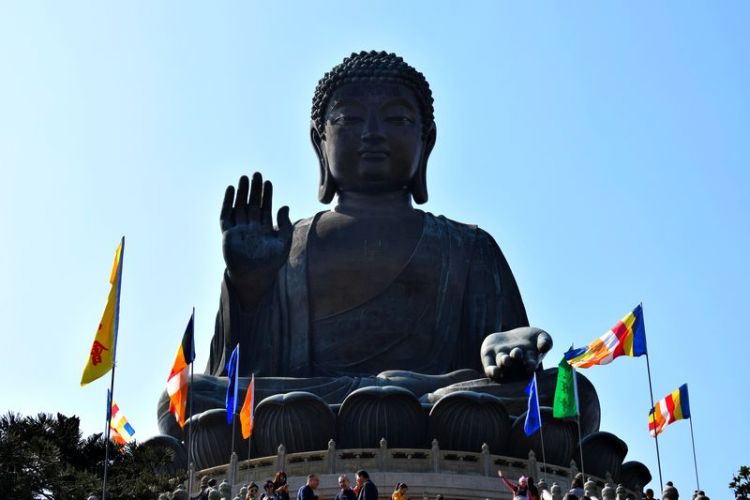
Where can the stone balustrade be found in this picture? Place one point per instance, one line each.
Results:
(428, 472)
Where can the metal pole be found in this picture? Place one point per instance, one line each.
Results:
(656, 437)
(578, 419)
(190, 426)
(541, 432)
(114, 364)
(695, 460)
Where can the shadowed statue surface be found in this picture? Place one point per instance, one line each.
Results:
(374, 305)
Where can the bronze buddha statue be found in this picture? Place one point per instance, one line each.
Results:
(373, 297)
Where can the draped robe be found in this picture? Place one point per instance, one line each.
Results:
(455, 289)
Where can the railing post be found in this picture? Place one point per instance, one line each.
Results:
(573, 471)
(486, 460)
(533, 465)
(331, 456)
(383, 454)
(281, 458)
(435, 455)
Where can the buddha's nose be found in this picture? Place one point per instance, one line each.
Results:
(371, 132)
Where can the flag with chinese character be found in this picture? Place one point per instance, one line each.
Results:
(177, 382)
(247, 413)
(565, 403)
(101, 354)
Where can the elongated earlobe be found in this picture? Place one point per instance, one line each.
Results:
(419, 183)
(326, 186)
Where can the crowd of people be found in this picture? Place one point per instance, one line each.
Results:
(364, 489)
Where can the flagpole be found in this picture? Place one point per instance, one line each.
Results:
(578, 419)
(190, 415)
(656, 434)
(114, 365)
(541, 432)
(695, 460)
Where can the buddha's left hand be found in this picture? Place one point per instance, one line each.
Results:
(514, 354)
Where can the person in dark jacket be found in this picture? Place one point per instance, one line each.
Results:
(367, 489)
(346, 492)
(307, 492)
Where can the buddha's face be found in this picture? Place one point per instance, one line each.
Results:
(373, 138)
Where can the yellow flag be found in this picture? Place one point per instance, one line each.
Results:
(101, 354)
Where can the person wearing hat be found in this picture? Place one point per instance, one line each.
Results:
(520, 490)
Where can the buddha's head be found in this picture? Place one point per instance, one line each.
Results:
(373, 127)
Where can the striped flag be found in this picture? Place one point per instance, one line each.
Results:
(102, 352)
(247, 413)
(177, 382)
(676, 406)
(122, 431)
(626, 338)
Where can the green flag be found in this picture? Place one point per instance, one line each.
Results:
(566, 393)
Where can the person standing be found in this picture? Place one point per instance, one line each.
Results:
(346, 492)
(400, 492)
(520, 490)
(367, 489)
(307, 492)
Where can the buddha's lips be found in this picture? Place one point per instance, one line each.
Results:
(374, 155)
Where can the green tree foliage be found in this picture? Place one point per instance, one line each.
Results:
(741, 483)
(45, 456)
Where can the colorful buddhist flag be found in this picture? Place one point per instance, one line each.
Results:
(102, 352)
(122, 431)
(533, 418)
(565, 404)
(177, 382)
(233, 368)
(626, 338)
(247, 413)
(676, 406)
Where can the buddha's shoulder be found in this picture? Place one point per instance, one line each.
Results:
(471, 232)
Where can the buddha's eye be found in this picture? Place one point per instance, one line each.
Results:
(399, 120)
(347, 119)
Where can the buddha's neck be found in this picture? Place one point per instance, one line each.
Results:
(374, 204)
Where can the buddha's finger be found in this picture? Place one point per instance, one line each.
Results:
(256, 193)
(240, 202)
(225, 218)
(516, 354)
(285, 225)
(532, 360)
(266, 219)
(543, 342)
(503, 360)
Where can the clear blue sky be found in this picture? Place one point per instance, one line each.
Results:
(605, 145)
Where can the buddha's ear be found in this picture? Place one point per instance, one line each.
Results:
(326, 187)
(419, 184)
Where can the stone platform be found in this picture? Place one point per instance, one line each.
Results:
(427, 472)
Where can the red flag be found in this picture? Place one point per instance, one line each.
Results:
(247, 413)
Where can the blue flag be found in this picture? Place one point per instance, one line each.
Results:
(233, 368)
(533, 418)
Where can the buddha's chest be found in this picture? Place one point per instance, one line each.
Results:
(350, 261)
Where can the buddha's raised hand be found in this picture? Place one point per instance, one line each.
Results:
(254, 249)
(514, 354)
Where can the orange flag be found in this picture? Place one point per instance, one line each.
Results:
(247, 413)
(102, 352)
